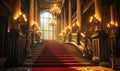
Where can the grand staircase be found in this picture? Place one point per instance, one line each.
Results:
(53, 55)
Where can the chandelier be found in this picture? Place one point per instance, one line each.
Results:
(55, 10)
(52, 22)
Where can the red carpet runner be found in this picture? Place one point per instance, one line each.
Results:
(54, 57)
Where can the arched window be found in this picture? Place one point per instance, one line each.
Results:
(46, 29)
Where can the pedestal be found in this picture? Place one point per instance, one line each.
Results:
(100, 43)
(115, 50)
(15, 48)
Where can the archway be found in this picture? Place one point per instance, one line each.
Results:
(46, 29)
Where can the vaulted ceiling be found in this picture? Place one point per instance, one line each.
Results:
(47, 4)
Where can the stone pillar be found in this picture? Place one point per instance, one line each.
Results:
(98, 13)
(70, 14)
(36, 10)
(98, 9)
(111, 13)
(64, 18)
(79, 14)
(30, 30)
(70, 21)
(114, 37)
(31, 16)
(16, 12)
(64, 26)
(36, 18)
(100, 41)
(79, 20)
(62, 22)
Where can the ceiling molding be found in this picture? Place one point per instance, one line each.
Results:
(47, 4)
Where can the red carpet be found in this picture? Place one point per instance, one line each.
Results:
(54, 57)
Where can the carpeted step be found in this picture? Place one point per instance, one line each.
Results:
(52, 69)
(55, 64)
(54, 56)
(57, 58)
(56, 61)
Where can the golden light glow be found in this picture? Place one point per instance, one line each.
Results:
(16, 17)
(82, 34)
(24, 16)
(108, 25)
(116, 24)
(91, 18)
(8, 29)
(95, 15)
(73, 24)
(36, 27)
(32, 23)
(20, 13)
(97, 18)
(61, 34)
(52, 22)
(64, 31)
(77, 24)
(112, 23)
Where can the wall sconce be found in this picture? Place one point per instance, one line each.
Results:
(112, 27)
(96, 22)
(35, 27)
(21, 18)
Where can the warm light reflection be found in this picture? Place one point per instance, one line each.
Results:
(68, 28)
(8, 29)
(52, 22)
(91, 18)
(82, 34)
(77, 24)
(63, 32)
(108, 25)
(36, 26)
(116, 24)
(20, 13)
(73, 24)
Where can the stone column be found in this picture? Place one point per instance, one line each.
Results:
(79, 20)
(70, 14)
(98, 9)
(111, 13)
(70, 21)
(98, 13)
(29, 36)
(64, 26)
(36, 10)
(62, 23)
(114, 38)
(64, 18)
(16, 12)
(36, 19)
(31, 16)
(79, 14)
